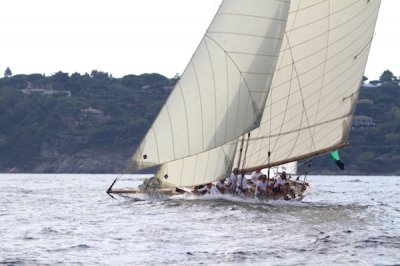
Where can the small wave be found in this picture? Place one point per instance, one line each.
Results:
(82, 246)
(355, 181)
(12, 262)
(380, 241)
(66, 249)
(49, 230)
(17, 261)
(29, 238)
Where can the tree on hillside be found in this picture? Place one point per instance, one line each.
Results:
(386, 76)
(100, 75)
(7, 72)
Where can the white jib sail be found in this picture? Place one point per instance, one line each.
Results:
(198, 169)
(316, 82)
(223, 90)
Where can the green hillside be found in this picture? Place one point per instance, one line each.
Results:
(43, 117)
(374, 149)
(93, 122)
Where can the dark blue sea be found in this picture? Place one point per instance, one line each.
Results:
(68, 219)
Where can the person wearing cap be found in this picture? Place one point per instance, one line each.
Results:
(280, 185)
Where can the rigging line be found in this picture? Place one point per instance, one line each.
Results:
(269, 162)
(240, 152)
(127, 169)
(231, 160)
(307, 168)
(245, 151)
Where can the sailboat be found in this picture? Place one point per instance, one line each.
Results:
(271, 82)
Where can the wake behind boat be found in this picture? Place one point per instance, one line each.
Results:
(271, 82)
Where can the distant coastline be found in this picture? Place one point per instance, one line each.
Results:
(91, 123)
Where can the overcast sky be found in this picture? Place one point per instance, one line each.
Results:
(134, 36)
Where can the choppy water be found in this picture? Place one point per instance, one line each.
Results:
(69, 219)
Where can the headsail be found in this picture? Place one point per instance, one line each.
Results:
(198, 169)
(222, 92)
(316, 82)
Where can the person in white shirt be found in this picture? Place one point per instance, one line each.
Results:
(262, 185)
(233, 180)
(221, 186)
(208, 189)
(255, 175)
(280, 185)
(242, 184)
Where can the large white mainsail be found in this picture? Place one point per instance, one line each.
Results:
(316, 82)
(222, 92)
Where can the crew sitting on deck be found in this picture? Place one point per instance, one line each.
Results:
(221, 186)
(262, 185)
(280, 185)
(256, 175)
(208, 189)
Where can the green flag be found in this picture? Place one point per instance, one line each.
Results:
(336, 158)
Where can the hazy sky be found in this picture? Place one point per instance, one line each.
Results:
(134, 36)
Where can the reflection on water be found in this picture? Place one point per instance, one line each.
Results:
(69, 219)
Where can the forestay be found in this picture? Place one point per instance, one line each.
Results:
(222, 93)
